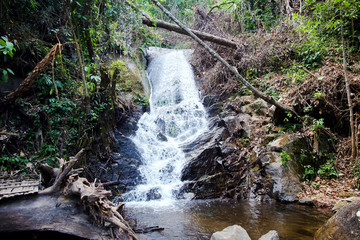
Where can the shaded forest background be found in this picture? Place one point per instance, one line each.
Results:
(289, 49)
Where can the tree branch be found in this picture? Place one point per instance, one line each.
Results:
(202, 35)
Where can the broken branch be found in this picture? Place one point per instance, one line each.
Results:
(63, 173)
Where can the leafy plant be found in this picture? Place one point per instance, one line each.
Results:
(16, 161)
(309, 172)
(317, 125)
(7, 48)
(285, 157)
(328, 170)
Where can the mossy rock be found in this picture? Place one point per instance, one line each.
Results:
(345, 224)
(131, 82)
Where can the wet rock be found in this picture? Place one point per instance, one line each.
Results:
(237, 126)
(122, 166)
(153, 194)
(285, 183)
(202, 165)
(306, 201)
(162, 137)
(212, 186)
(234, 232)
(271, 235)
(345, 224)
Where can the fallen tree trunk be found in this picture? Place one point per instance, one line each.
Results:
(93, 197)
(232, 69)
(202, 35)
(147, 20)
(25, 85)
(63, 173)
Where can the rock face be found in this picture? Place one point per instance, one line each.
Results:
(226, 165)
(123, 165)
(234, 232)
(345, 224)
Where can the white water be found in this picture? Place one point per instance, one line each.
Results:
(176, 117)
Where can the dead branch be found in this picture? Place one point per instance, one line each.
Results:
(94, 198)
(232, 69)
(202, 35)
(25, 85)
(9, 134)
(63, 174)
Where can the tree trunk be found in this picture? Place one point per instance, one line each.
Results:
(256, 92)
(201, 35)
(29, 80)
(348, 93)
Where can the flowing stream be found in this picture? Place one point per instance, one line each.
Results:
(176, 118)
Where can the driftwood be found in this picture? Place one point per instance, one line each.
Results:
(202, 35)
(62, 173)
(11, 97)
(232, 69)
(93, 196)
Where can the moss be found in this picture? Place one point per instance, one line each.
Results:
(130, 83)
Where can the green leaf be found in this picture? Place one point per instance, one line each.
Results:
(10, 71)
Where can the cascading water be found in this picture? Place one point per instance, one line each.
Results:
(176, 118)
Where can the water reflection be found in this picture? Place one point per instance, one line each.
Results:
(199, 219)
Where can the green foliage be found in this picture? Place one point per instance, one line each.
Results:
(7, 48)
(290, 123)
(319, 95)
(320, 29)
(328, 170)
(296, 74)
(141, 100)
(318, 124)
(323, 167)
(14, 161)
(285, 157)
(313, 46)
(249, 14)
(309, 173)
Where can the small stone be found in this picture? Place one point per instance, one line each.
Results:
(234, 232)
(306, 201)
(271, 235)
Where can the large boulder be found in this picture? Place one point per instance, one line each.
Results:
(234, 232)
(285, 182)
(344, 225)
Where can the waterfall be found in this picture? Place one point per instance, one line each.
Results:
(176, 118)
